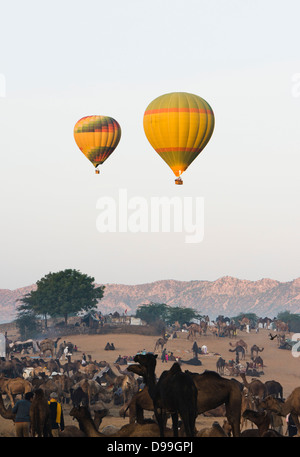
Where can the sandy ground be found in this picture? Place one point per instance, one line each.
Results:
(280, 365)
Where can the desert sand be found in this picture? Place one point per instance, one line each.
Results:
(280, 365)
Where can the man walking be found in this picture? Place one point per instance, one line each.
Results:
(22, 420)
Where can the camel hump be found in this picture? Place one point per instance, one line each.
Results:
(175, 368)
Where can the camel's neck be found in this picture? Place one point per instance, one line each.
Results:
(245, 381)
(285, 408)
(151, 383)
(5, 413)
(89, 428)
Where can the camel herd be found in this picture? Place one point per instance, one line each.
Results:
(179, 394)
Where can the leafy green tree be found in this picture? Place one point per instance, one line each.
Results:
(181, 315)
(27, 325)
(287, 316)
(153, 312)
(61, 294)
(293, 320)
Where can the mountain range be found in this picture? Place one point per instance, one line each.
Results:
(227, 296)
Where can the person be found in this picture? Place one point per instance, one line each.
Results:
(291, 427)
(118, 396)
(237, 358)
(204, 349)
(56, 414)
(83, 362)
(163, 356)
(66, 352)
(195, 350)
(22, 419)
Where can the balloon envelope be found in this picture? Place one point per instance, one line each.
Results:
(97, 137)
(178, 126)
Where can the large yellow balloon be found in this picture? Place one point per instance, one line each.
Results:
(178, 126)
(97, 137)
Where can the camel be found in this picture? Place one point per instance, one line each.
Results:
(40, 415)
(11, 368)
(71, 431)
(239, 349)
(244, 321)
(274, 388)
(214, 431)
(54, 365)
(175, 392)
(139, 402)
(193, 329)
(213, 329)
(255, 349)
(149, 430)
(258, 362)
(161, 342)
(260, 418)
(99, 414)
(89, 370)
(247, 403)
(37, 371)
(127, 382)
(79, 397)
(71, 366)
(220, 365)
(221, 326)
(87, 425)
(90, 388)
(281, 326)
(283, 408)
(213, 391)
(15, 386)
(230, 330)
(240, 343)
(6, 413)
(256, 388)
(47, 345)
(48, 386)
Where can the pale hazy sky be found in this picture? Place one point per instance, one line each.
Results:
(62, 60)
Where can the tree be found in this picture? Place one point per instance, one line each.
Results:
(293, 320)
(181, 315)
(62, 293)
(26, 323)
(153, 312)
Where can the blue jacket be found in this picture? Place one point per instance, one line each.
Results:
(21, 409)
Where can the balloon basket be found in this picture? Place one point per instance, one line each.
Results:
(97, 172)
(178, 181)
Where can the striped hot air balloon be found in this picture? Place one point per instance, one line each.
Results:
(178, 126)
(97, 137)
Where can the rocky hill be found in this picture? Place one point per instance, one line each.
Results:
(227, 296)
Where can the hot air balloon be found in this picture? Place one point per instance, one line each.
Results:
(178, 126)
(97, 137)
